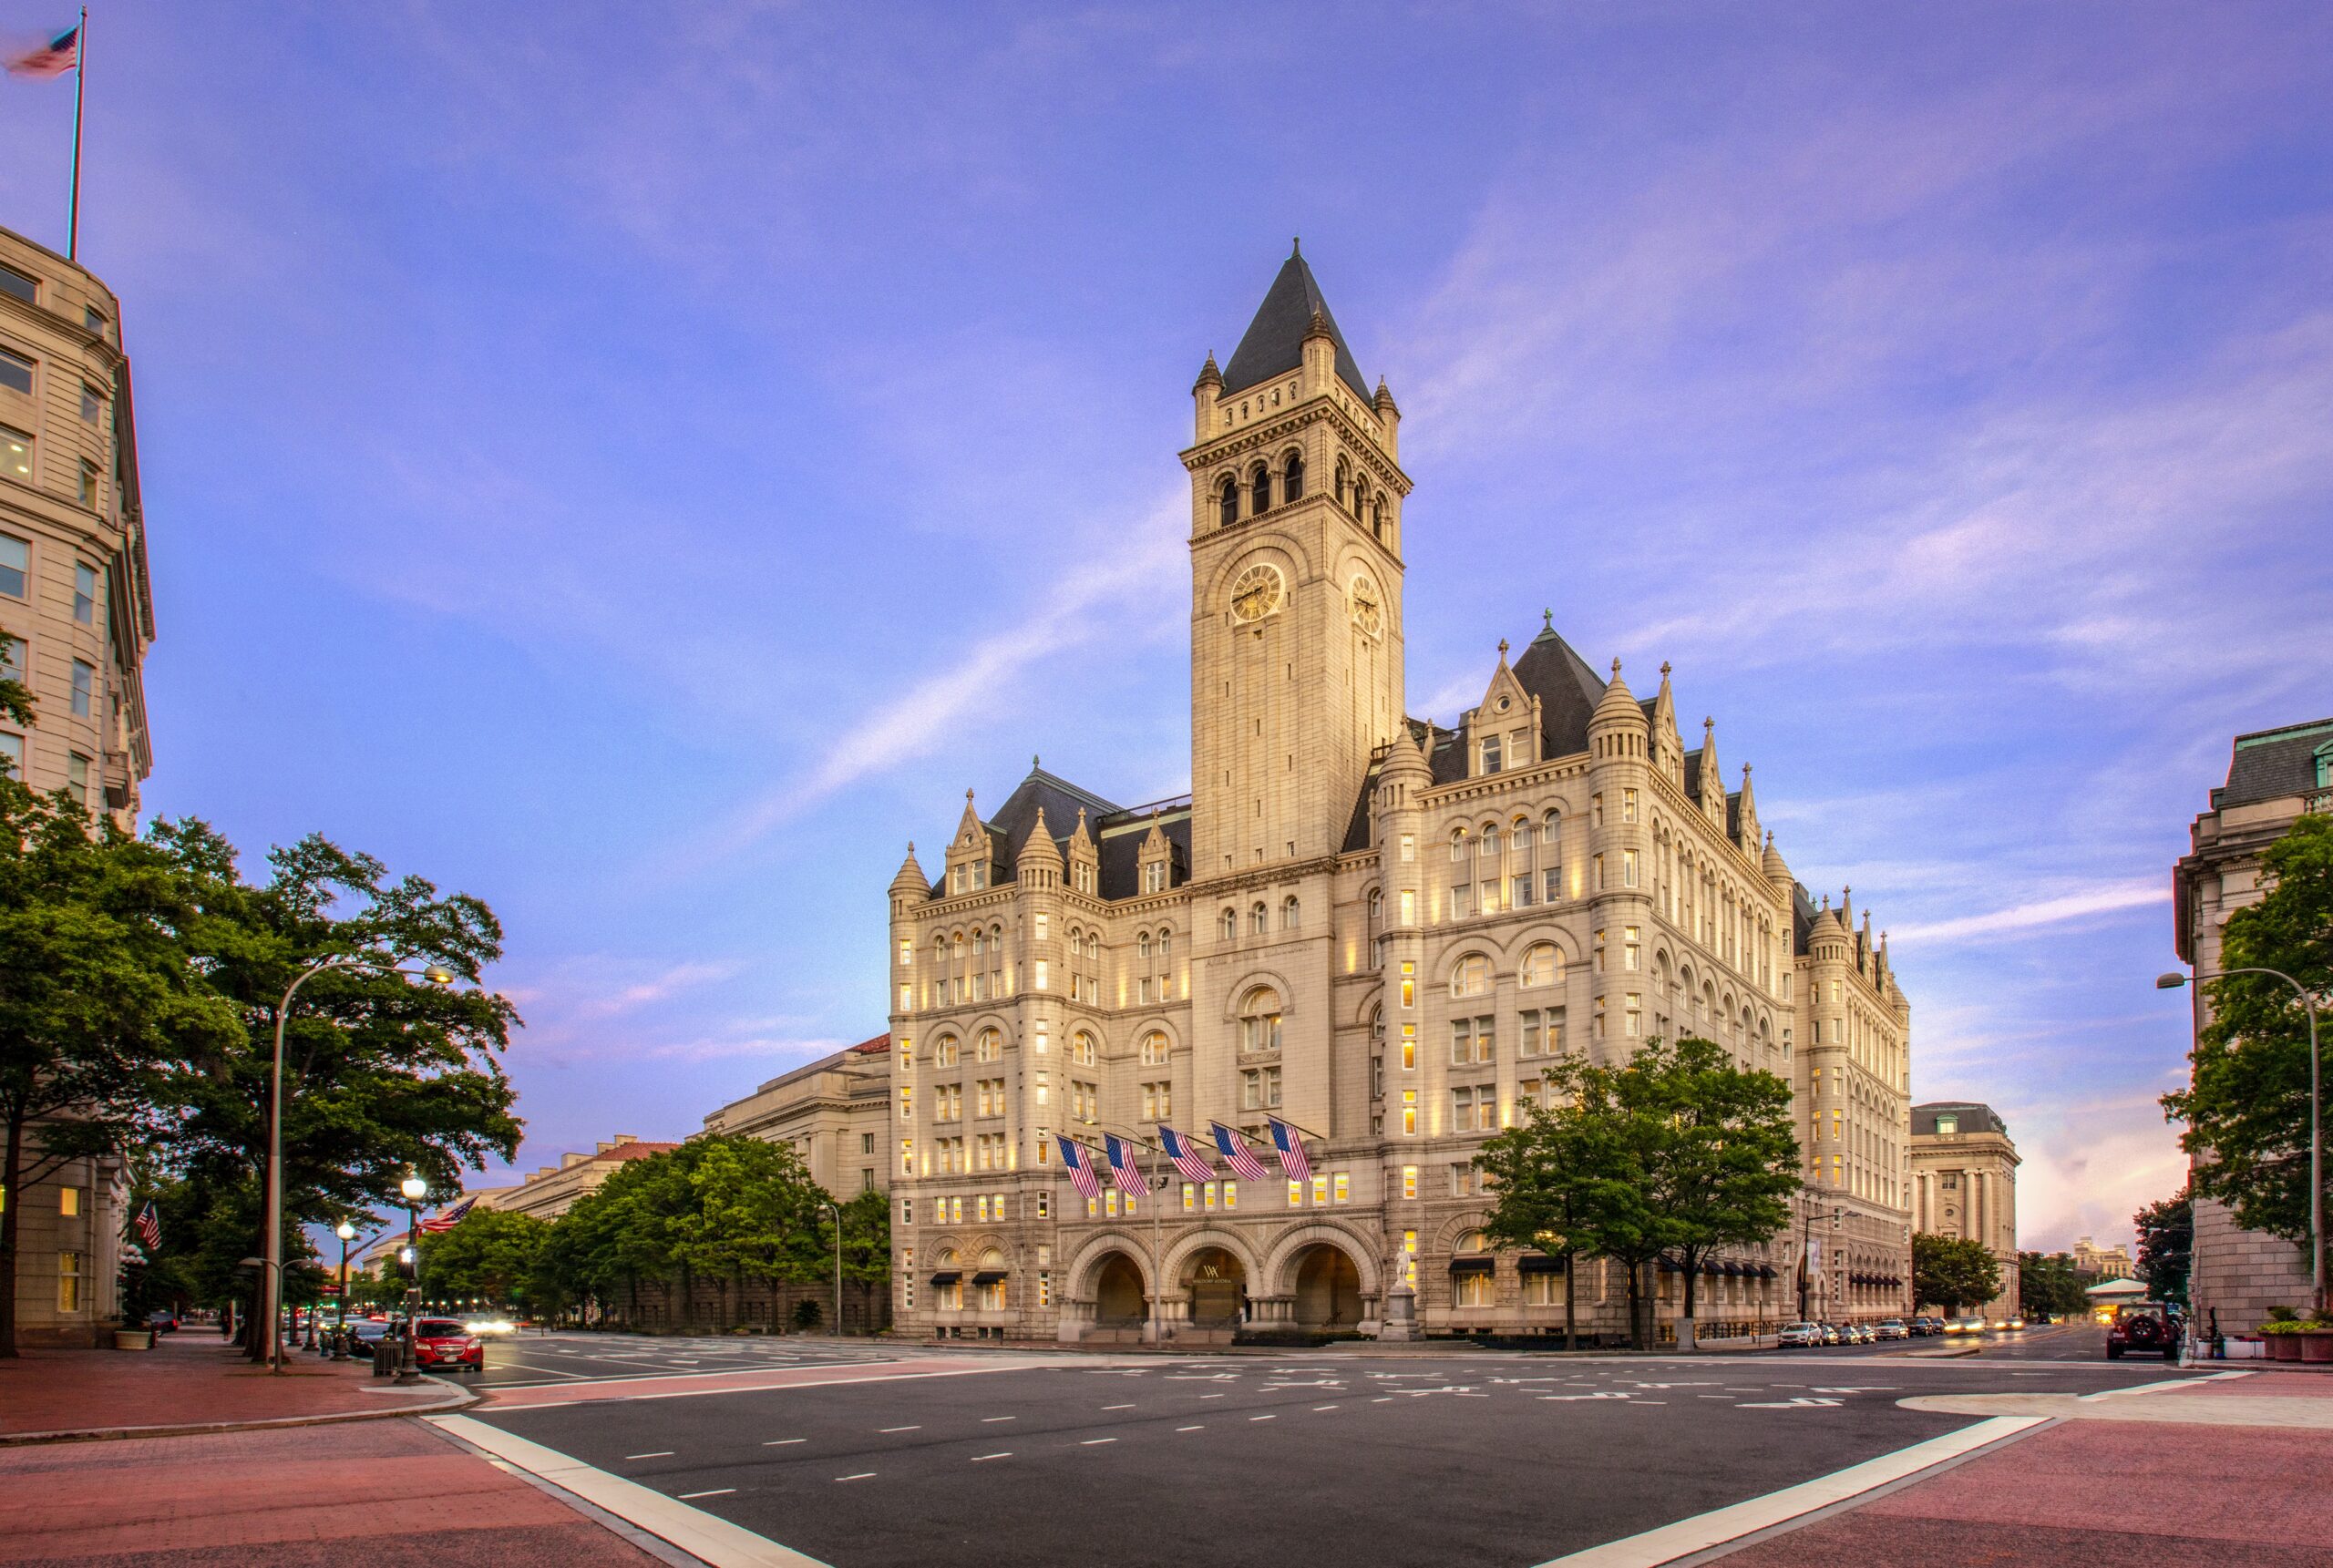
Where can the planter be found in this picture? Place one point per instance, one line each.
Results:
(2315, 1349)
(133, 1339)
(2283, 1346)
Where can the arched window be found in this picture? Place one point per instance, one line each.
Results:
(947, 1053)
(1165, 944)
(989, 1047)
(1344, 484)
(1260, 497)
(1154, 1050)
(1288, 913)
(1542, 965)
(1258, 919)
(1226, 503)
(1291, 481)
(1081, 1049)
(1522, 831)
(1490, 841)
(1471, 976)
(1376, 910)
(1259, 1020)
(1229, 924)
(1360, 497)
(1471, 1245)
(1551, 828)
(1377, 521)
(1142, 946)
(1457, 844)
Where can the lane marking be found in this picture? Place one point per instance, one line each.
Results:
(983, 1459)
(1703, 1531)
(899, 1429)
(1190, 1428)
(1117, 1407)
(781, 1442)
(1090, 1442)
(660, 1454)
(716, 1492)
(991, 1421)
(1263, 1418)
(706, 1537)
(862, 1475)
(1319, 1408)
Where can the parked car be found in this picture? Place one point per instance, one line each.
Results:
(162, 1320)
(1934, 1325)
(1797, 1335)
(1831, 1335)
(1864, 1335)
(446, 1342)
(369, 1331)
(1893, 1328)
(2145, 1329)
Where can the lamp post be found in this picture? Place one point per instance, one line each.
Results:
(828, 1204)
(271, 1276)
(1805, 1246)
(2172, 982)
(346, 1233)
(415, 1189)
(1157, 1185)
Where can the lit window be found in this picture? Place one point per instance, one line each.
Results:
(1409, 1048)
(1409, 1113)
(1410, 1189)
(15, 451)
(1542, 966)
(1631, 955)
(68, 1282)
(87, 489)
(1344, 1187)
(68, 1201)
(1627, 805)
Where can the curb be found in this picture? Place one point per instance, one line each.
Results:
(457, 1397)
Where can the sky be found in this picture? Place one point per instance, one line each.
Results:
(639, 464)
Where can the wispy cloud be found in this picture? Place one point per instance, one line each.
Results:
(2054, 911)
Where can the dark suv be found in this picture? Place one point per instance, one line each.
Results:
(2143, 1328)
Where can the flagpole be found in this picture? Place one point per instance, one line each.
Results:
(1157, 1247)
(80, 80)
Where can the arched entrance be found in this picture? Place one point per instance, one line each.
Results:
(1117, 1294)
(1328, 1289)
(1217, 1286)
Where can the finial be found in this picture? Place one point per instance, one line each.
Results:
(1035, 761)
(910, 846)
(1546, 620)
(968, 796)
(1501, 649)
(1708, 725)
(1745, 770)
(1770, 838)
(1827, 903)
(1296, 246)
(1616, 669)
(1664, 667)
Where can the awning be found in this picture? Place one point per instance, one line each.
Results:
(1669, 1267)
(1734, 1269)
(947, 1277)
(1712, 1266)
(1538, 1263)
(1766, 1271)
(1475, 1263)
(988, 1276)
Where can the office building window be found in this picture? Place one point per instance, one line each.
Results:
(1260, 1089)
(20, 284)
(76, 778)
(16, 372)
(86, 490)
(1409, 1113)
(11, 755)
(15, 457)
(68, 1282)
(93, 404)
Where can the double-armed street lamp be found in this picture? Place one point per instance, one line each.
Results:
(2172, 982)
(271, 1275)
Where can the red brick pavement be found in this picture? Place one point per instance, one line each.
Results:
(2084, 1493)
(190, 1379)
(382, 1493)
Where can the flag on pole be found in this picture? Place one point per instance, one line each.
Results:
(1121, 1155)
(1290, 1144)
(148, 1226)
(59, 54)
(1185, 1154)
(1237, 1154)
(1079, 1164)
(447, 1219)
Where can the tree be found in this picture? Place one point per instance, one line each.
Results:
(97, 995)
(1668, 1157)
(1541, 1171)
(2247, 1104)
(2167, 1244)
(1953, 1272)
(488, 1253)
(2047, 1286)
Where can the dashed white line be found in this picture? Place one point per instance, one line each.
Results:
(716, 1492)
(1090, 1442)
(1263, 1418)
(986, 1421)
(862, 1475)
(1324, 1407)
(781, 1442)
(983, 1459)
(1199, 1428)
(1382, 1399)
(1117, 1407)
(900, 1429)
(660, 1454)
(1210, 1396)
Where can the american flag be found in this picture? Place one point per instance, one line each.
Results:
(1079, 1164)
(1236, 1152)
(1290, 1144)
(1122, 1170)
(1185, 1154)
(53, 58)
(447, 1219)
(148, 1226)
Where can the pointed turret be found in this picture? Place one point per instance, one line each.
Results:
(1618, 727)
(1667, 749)
(1777, 869)
(1038, 850)
(1208, 374)
(1206, 393)
(1274, 344)
(911, 882)
(1746, 815)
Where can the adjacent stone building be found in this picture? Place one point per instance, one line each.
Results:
(1378, 928)
(551, 1191)
(1964, 1183)
(835, 1112)
(76, 615)
(2273, 777)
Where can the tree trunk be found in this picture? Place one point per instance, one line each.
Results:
(1636, 1301)
(1571, 1302)
(12, 1163)
(1686, 1339)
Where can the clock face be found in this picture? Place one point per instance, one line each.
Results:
(1257, 593)
(1367, 606)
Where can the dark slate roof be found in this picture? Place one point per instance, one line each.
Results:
(1801, 916)
(1567, 689)
(1974, 1118)
(1357, 831)
(1119, 837)
(1733, 816)
(1274, 343)
(1693, 773)
(2272, 763)
(1061, 801)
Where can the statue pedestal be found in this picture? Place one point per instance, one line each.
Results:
(1401, 1313)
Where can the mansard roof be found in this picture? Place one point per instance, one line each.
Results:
(1274, 343)
(1567, 688)
(1119, 839)
(1117, 831)
(2269, 765)
(1974, 1117)
(1059, 799)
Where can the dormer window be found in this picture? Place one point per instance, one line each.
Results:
(1947, 1126)
(1490, 753)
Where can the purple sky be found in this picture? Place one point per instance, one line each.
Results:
(606, 461)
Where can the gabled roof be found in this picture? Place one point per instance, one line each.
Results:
(2269, 765)
(1274, 343)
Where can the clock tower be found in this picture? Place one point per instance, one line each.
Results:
(1296, 586)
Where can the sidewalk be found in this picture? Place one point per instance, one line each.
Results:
(2234, 1472)
(190, 1381)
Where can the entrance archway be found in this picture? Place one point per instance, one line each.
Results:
(1217, 1286)
(1328, 1289)
(1117, 1293)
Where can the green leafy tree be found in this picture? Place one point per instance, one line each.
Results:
(1670, 1156)
(97, 996)
(2247, 1108)
(1542, 1172)
(1953, 1273)
(381, 1075)
(489, 1254)
(2047, 1286)
(2168, 1245)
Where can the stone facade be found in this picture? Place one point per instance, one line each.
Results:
(1372, 926)
(1964, 1183)
(2273, 777)
(835, 1112)
(76, 615)
(2104, 1262)
(552, 1190)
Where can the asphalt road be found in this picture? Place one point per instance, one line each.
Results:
(1441, 1460)
(523, 1361)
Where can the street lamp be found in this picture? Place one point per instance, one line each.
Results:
(414, 1188)
(271, 1277)
(2172, 982)
(346, 1233)
(1805, 1245)
(828, 1204)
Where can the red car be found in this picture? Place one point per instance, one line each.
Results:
(442, 1342)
